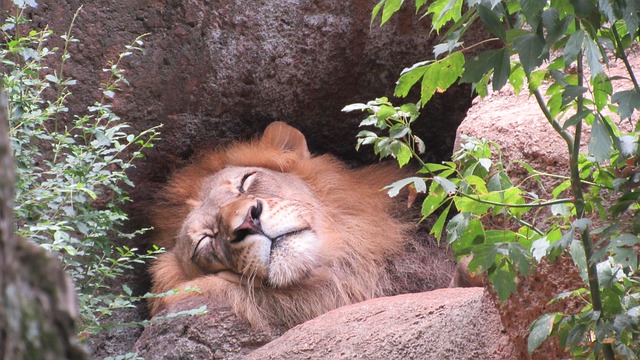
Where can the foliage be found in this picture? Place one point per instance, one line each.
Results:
(559, 48)
(71, 168)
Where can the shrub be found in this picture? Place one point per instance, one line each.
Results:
(71, 168)
(564, 43)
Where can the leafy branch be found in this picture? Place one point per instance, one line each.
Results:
(564, 44)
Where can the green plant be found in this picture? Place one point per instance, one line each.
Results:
(565, 44)
(71, 168)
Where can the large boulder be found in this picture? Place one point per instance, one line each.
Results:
(217, 70)
(459, 323)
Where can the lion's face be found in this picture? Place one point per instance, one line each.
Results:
(257, 224)
(310, 232)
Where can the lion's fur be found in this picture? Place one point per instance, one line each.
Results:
(365, 236)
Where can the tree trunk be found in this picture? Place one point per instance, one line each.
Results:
(38, 305)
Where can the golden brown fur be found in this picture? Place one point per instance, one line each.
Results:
(343, 221)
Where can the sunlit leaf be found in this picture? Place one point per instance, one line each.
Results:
(408, 79)
(440, 75)
(417, 182)
(448, 186)
(390, 8)
(438, 226)
(540, 248)
(443, 11)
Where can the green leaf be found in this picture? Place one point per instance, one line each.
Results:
(500, 181)
(571, 92)
(499, 236)
(443, 11)
(420, 4)
(504, 280)
(476, 68)
(575, 119)
(438, 226)
(593, 56)
(602, 90)
(355, 107)
(470, 205)
(530, 51)
(555, 28)
(540, 248)
(484, 256)
(628, 101)
(462, 231)
(540, 330)
(517, 78)
(560, 188)
(532, 10)
(437, 196)
(417, 182)
(409, 77)
(492, 22)
(390, 8)
(502, 70)
(600, 145)
(579, 259)
(626, 257)
(586, 10)
(623, 203)
(630, 16)
(625, 240)
(448, 186)
(403, 155)
(376, 10)
(398, 131)
(385, 111)
(440, 75)
(573, 47)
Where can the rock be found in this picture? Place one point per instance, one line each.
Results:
(218, 334)
(455, 323)
(216, 70)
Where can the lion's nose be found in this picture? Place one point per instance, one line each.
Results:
(250, 225)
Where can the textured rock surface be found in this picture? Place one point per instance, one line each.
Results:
(218, 334)
(458, 323)
(217, 70)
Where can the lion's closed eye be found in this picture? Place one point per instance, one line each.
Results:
(247, 181)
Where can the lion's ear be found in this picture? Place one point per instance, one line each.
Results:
(281, 136)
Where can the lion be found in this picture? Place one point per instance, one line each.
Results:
(280, 235)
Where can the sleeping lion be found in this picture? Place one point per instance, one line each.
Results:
(283, 236)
